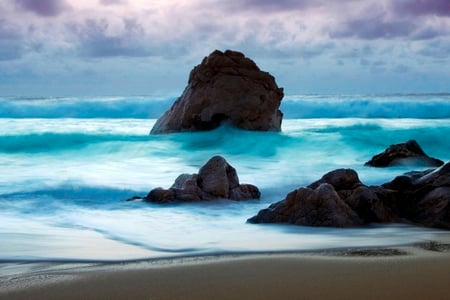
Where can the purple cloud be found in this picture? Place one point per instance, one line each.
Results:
(44, 8)
(430, 33)
(394, 21)
(422, 7)
(268, 5)
(374, 28)
(113, 2)
(94, 41)
(8, 31)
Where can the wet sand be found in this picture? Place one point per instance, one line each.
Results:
(411, 272)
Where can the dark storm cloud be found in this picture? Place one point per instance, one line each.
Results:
(44, 8)
(422, 7)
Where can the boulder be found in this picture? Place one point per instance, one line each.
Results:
(225, 87)
(408, 153)
(217, 179)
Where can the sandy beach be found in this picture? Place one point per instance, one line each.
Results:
(413, 272)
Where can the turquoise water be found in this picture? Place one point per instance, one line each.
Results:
(64, 178)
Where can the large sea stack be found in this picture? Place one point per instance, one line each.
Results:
(225, 87)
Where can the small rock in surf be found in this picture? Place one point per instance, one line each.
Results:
(217, 179)
(408, 153)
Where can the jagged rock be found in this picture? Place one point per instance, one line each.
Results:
(424, 197)
(434, 209)
(225, 87)
(373, 204)
(339, 199)
(340, 179)
(321, 206)
(408, 153)
(217, 179)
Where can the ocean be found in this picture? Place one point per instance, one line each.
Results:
(67, 165)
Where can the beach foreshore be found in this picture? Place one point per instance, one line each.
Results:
(406, 272)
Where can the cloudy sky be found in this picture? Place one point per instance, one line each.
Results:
(135, 47)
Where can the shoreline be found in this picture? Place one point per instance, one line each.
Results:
(409, 272)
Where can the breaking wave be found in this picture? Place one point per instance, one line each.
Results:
(422, 106)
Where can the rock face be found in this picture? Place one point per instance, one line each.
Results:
(339, 199)
(216, 180)
(225, 87)
(409, 153)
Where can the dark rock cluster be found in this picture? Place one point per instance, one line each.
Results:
(215, 180)
(339, 199)
(225, 87)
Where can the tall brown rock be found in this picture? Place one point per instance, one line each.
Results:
(225, 87)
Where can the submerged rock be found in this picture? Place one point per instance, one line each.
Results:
(339, 199)
(408, 153)
(217, 179)
(225, 87)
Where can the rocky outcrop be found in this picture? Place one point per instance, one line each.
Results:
(314, 207)
(408, 153)
(424, 197)
(216, 180)
(339, 199)
(225, 87)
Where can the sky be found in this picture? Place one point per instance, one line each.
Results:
(139, 47)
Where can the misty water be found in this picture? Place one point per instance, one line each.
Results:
(67, 165)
